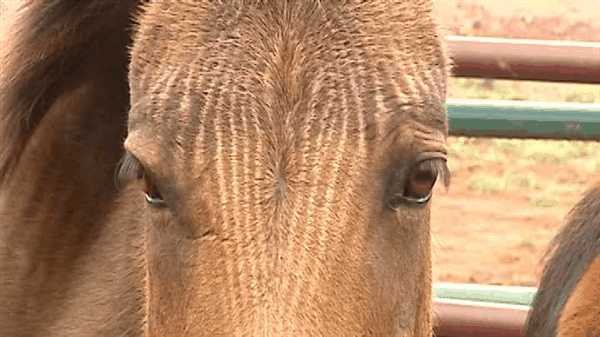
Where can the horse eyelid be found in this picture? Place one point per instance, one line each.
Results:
(129, 169)
(440, 164)
(442, 171)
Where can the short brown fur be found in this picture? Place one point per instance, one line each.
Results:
(278, 144)
(568, 298)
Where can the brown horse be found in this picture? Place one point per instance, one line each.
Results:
(245, 168)
(568, 299)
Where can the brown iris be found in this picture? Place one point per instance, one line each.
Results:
(420, 181)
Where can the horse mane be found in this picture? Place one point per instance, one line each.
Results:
(63, 110)
(48, 49)
(569, 254)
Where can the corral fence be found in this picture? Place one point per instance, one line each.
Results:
(480, 310)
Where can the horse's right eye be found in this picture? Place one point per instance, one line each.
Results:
(129, 169)
(153, 195)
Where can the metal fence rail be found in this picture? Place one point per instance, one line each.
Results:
(490, 118)
(480, 310)
(485, 293)
(460, 318)
(534, 60)
(558, 61)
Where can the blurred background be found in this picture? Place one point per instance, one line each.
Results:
(508, 197)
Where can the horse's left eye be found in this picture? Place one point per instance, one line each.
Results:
(420, 180)
(414, 185)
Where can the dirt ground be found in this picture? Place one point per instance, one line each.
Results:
(507, 199)
(577, 20)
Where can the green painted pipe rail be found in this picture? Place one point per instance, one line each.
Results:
(520, 296)
(518, 119)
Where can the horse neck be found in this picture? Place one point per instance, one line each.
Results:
(65, 241)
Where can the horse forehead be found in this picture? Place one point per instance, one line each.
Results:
(271, 79)
(258, 42)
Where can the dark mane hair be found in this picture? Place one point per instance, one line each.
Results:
(50, 50)
(571, 252)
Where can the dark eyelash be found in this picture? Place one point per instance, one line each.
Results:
(129, 168)
(443, 172)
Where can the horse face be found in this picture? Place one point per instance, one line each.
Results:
(281, 157)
